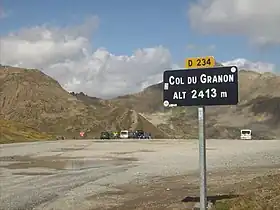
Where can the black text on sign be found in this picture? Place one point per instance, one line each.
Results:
(200, 62)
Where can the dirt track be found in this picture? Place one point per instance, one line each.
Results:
(86, 174)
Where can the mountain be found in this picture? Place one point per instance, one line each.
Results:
(258, 109)
(30, 97)
(242, 64)
(35, 106)
(147, 101)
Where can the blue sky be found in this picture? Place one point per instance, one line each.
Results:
(126, 25)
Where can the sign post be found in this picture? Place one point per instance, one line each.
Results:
(206, 62)
(202, 157)
(201, 84)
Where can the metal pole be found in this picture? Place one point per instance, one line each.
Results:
(202, 158)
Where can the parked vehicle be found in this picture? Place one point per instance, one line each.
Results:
(147, 135)
(246, 134)
(105, 135)
(115, 135)
(124, 134)
(139, 134)
(131, 135)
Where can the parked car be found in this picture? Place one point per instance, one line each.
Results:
(115, 135)
(139, 134)
(147, 135)
(105, 135)
(131, 135)
(124, 134)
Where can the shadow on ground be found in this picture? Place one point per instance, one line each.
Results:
(212, 199)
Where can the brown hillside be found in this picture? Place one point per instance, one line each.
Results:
(122, 116)
(35, 99)
(31, 97)
(38, 101)
(258, 110)
(147, 101)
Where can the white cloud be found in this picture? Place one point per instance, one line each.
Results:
(66, 55)
(257, 19)
(258, 66)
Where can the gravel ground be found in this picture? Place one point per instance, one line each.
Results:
(80, 174)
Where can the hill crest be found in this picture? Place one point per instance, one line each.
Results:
(33, 98)
(37, 100)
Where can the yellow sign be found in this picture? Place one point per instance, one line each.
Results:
(200, 62)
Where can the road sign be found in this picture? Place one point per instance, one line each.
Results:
(201, 87)
(200, 62)
(201, 84)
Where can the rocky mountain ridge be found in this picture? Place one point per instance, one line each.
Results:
(32, 98)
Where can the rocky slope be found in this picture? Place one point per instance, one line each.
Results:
(35, 99)
(38, 101)
(258, 109)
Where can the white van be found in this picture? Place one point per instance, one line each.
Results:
(246, 134)
(124, 134)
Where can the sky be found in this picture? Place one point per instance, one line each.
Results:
(107, 48)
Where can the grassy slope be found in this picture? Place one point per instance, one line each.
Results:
(262, 193)
(9, 131)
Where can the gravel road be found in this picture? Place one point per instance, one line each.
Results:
(73, 174)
